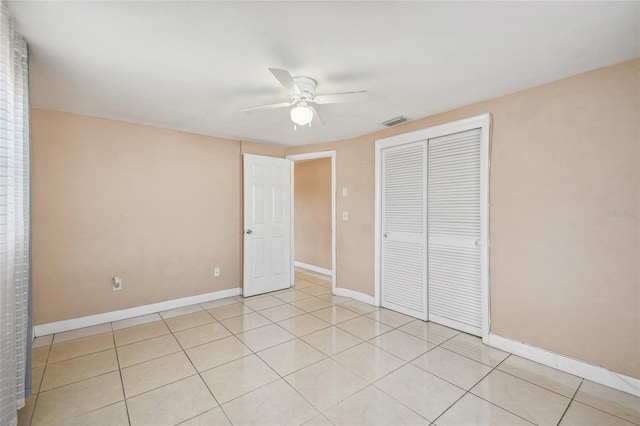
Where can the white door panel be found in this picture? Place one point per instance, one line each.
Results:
(454, 231)
(267, 224)
(403, 266)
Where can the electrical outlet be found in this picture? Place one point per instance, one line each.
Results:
(116, 284)
(345, 215)
(216, 272)
(345, 192)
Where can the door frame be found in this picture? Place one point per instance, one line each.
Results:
(314, 156)
(482, 121)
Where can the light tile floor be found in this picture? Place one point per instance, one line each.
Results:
(300, 356)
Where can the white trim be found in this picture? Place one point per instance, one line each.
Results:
(313, 268)
(292, 279)
(106, 317)
(482, 121)
(377, 240)
(569, 365)
(485, 231)
(313, 156)
(356, 295)
(334, 229)
(435, 131)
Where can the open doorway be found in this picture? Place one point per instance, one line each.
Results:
(314, 216)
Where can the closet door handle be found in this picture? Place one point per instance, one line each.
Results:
(249, 232)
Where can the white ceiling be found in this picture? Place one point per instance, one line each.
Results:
(193, 66)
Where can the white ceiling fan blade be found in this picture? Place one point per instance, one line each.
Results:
(286, 80)
(267, 107)
(335, 98)
(315, 114)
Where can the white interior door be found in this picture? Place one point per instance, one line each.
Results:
(404, 229)
(267, 224)
(455, 243)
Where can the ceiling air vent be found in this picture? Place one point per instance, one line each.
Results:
(395, 121)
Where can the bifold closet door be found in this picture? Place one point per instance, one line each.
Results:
(404, 227)
(454, 231)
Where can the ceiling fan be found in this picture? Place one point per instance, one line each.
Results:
(302, 91)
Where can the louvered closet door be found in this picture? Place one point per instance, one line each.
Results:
(404, 227)
(454, 226)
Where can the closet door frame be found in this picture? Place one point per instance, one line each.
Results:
(482, 122)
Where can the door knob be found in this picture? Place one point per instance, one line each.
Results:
(385, 235)
(249, 231)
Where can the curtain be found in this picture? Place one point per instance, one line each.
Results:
(15, 224)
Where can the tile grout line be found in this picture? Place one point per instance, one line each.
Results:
(441, 378)
(198, 372)
(124, 395)
(259, 387)
(287, 383)
(156, 358)
(570, 398)
(79, 381)
(570, 402)
(469, 392)
(380, 378)
(280, 377)
(573, 398)
(80, 356)
(44, 370)
(372, 384)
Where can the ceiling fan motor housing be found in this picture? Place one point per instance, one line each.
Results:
(307, 86)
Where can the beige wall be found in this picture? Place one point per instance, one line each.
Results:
(262, 149)
(354, 238)
(312, 212)
(156, 207)
(564, 275)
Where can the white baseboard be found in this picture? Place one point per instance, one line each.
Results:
(564, 363)
(313, 268)
(345, 292)
(74, 323)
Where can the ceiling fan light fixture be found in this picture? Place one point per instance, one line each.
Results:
(301, 115)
